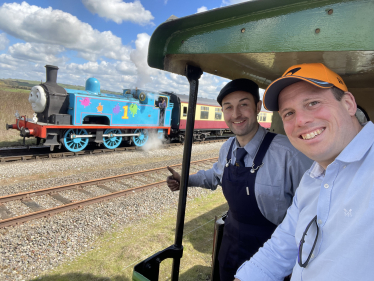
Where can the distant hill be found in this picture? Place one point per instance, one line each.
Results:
(28, 84)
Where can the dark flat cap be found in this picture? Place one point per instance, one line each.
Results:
(241, 84)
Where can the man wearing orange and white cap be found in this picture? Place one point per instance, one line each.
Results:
(328, 232)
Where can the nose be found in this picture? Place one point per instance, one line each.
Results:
(31, 98)
(303, 118)
(236, 113)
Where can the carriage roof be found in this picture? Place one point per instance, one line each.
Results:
(201, 101)
(259, 40)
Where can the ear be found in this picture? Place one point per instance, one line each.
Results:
(259, 104)
(349, 102)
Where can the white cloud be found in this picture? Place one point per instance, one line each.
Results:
(232, 2)
(202, 9)
(34, 24)
(4, 41)
(36, 52)
(118, 11)
(139, 58)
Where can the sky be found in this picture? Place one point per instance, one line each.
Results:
(105, 39)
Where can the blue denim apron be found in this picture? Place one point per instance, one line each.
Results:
(246, 229)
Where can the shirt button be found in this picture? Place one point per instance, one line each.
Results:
(319, 221)
(344, 167)
(312, 256)
(326, 185)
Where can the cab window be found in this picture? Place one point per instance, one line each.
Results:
(159, 100)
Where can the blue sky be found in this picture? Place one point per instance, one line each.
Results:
(105, 39)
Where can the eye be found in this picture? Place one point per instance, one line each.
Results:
(288, 114)
(313, 103)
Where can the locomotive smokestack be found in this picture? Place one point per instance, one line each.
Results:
(51, 72)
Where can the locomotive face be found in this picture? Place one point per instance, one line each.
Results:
(38, 99)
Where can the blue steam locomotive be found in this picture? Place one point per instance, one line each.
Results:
(74, 118)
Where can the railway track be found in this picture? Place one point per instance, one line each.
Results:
(125, 180)
(16, 155)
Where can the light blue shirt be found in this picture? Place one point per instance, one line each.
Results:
(276, 180)
(342, 197)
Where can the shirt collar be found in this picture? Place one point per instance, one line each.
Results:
(354, 151)
(359, 146)
(252, 146)
(316, 171)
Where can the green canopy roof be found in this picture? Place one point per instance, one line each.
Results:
(261, 39)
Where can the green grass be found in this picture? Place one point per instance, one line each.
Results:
(26, 85)
(116, 253)
(11, 102)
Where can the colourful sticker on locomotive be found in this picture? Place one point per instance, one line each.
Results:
(100, 108)
(85, 102)
(134, 109)
(116, 109)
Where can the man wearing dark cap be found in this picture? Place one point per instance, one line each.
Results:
(328, 232)
(258, 172)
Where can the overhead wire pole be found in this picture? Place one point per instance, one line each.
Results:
(193, 75)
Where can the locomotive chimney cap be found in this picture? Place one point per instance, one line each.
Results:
(51, 66)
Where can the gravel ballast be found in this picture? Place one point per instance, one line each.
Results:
(30, 249)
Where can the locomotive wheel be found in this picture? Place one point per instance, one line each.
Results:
(112, 142)
(142, 139)
(75, 144)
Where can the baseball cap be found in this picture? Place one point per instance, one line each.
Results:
(241, 84)
(316, 74)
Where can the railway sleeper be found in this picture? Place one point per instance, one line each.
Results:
(5, 213)
(60, 198)
(32, 205)
(85, 192)
(107, 188)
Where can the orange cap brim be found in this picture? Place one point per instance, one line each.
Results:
(271, 94)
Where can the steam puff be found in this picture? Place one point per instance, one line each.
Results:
(153, 142)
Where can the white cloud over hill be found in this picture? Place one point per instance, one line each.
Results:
(48, 26)
(4, 41)
(118, 11)
(51, 36)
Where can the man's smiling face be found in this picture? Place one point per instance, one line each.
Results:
(315, 122)
(240, 114)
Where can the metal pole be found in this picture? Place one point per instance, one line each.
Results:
(193, 75)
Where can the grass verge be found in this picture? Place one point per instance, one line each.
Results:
(11, 102)
(116, 253)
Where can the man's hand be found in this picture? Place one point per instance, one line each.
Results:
(173, 181)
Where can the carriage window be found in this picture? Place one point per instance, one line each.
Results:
(262, 117)
(204, 112)
(184, 111)
(218, 114)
